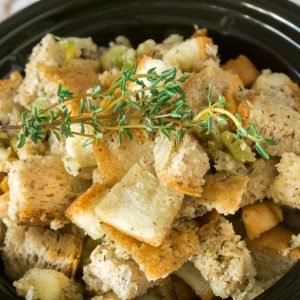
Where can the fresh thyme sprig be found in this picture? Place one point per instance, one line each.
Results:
(150, 101)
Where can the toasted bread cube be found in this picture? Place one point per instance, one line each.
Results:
(70, 60)
(107, 296)
(260, 217)
(4, 201)
(30, 149)
(223, 192)
(27, 247)
(45, 284)
(8, 90)
(140, 206)
(196, 87)
(182, 167)
(261, 177)
(82, 211)
(115, 160)
(268, 250)
(192, 208)
(159, 262)
(223, 259)
(40, 190)
(191, 54)
(195, 280)
(277, 121)
(109, 272)
(244, 68)
(286, 187)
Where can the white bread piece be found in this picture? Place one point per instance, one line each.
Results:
(181, 167)
(191, 54)
(261, 177)
(26, 247)
(223, 192)
(192, 208)
(279, 87)
(45, 284)
(195, 280)
(285, 189)
(269, 253)
(52, 52)
(30, 149)
(157, 50)
(222, 258)
(222, 82)
(40, 190)
(141, 206)
(82, 211)
(115, 160)
(159, 262)
(277, 121)
(8, 90)
(108, 272)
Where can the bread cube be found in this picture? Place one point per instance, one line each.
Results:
(261, 177)
(4, 202)
(108, 272)
(191, 54)
(268, 252)
(192, 208)
(181, 167)
(223, 192)
(223, 259)
(141, 206)
(8, 90)
(107, 296)
(260, 217)
(40, 190)
(244, 68)
(27, 247)
(285, 189)
(115, 160)
(195, 280)
(45, 284)
(82, 211)
(159, 262)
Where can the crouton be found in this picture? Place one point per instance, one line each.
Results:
(260, 217)
(30, 149)
(114, 160)
(182, 167)
(108, 272)
(157, 50)
(196, 87)
(193, 278)
(159, 262)
(140, 206)
(279, 87)
(191, 54)
(222, 258)
(192, 208)
(8, 90)
(267, 251)
(260, 178)
(40, 190)
(244, 68)
(4, 201)
(54, 53)
(276, 121)
(107, 296)
(26, 247)
(285, 189)
(223, 192)
(82, 211)
(45, 284)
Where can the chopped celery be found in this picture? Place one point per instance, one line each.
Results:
(237, 147)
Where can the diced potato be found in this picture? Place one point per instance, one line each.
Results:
(244, 68)
(141, 206)
(260, 217)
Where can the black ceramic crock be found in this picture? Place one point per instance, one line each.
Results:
(267, 31)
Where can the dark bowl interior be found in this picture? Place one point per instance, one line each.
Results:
(266, 31)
